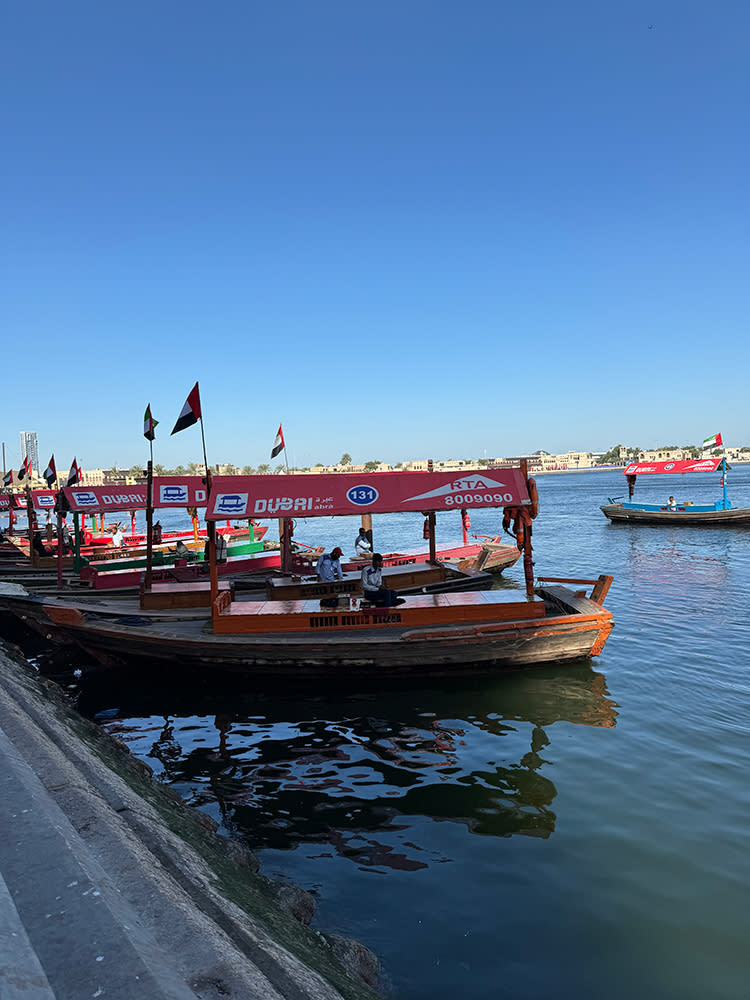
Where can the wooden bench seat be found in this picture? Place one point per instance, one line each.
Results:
(196, 594)
(247, 617)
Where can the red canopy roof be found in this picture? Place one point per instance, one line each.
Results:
(685, 465)
(305, 495)
(169, 491)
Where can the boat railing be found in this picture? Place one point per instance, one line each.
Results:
(223, 602)
(600, 586)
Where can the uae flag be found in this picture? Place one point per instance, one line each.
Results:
(149, 424)
(74, 476)
(713, 442)
(8, 478)
(50, 473)
(25, 469)
(191, 411)
(278, 444)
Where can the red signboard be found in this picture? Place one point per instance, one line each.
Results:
(684, 465)
(169, 491)
(43, 499)
(300, 495)
(15, 500)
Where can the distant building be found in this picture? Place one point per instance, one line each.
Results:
(30, 449)
(664, 455)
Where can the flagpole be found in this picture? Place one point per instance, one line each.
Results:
(149, 518)
(59, 529)
(213, 570)
(30, 519)
(191, 413)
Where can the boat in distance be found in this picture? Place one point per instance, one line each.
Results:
(673, 512)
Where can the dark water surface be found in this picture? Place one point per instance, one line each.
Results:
(558, 832)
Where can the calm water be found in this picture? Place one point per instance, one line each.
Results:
(563, 832)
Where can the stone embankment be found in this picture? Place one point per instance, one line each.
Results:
(112, 887)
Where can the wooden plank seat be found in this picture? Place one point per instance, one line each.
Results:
(196, 594)
(248, 617)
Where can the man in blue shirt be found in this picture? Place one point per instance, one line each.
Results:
(329, 566)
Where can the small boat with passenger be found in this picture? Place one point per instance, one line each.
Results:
(674, 512)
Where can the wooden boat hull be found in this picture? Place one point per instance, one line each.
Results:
(617, 513)
(492, 556)
(557, 625)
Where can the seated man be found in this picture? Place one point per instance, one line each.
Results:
(372, 585)
(181, 551)
(39, 545)
(672, 503)
(66, 538)
(362, 545)
(329, 566)
(221, 548)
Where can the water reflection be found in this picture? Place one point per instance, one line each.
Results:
(355, 772)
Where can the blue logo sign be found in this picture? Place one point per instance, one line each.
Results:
(231, 503)
(668, 466)
(174, 494)
(85, 499)
(362, 496)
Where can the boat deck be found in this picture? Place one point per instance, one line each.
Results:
(253, 617)
(281, 588)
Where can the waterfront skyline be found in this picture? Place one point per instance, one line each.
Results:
(423, 229)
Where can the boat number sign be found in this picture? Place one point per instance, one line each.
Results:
(362, 496)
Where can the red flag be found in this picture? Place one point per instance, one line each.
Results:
(191, 411)
(25, 469)
(278, 444)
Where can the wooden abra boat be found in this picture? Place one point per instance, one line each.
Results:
(431, 634)
(436, 634)
(719, 514)
(490, 556)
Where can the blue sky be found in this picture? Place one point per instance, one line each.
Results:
(410, 229)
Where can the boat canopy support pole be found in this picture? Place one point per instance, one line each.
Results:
(77, 561)
(30, 526)
(213, 569)
(528, 561)
(59, 552)
(286, 530)
(367, 525)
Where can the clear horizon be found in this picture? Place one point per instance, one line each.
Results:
(421, 228)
